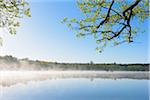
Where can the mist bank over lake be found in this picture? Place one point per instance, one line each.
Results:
(13, 63)
(9, 78)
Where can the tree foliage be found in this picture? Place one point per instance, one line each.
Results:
(109, 21)
(10, 13)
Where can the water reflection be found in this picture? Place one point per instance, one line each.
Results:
(78, 89)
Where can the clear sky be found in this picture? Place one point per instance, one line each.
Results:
(44, 37)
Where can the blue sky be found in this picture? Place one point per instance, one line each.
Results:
(44, 37)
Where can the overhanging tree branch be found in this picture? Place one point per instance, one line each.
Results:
(130, 8)
(110, 21)
(108, 14)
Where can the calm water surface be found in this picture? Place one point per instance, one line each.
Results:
(78, 89)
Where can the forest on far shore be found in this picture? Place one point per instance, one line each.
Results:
(13, 63)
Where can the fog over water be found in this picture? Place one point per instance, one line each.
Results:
(8, 78)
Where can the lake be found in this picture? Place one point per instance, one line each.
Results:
(77, 89)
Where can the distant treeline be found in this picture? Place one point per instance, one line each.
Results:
(12, 63)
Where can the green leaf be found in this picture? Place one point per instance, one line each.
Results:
(27, 12)
(65, 19)
(73, 20)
